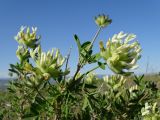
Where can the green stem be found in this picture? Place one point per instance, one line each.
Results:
(92, 42)
(73, 83)
(96, 35)
(80, 65)
(92, 70)
(78, 69)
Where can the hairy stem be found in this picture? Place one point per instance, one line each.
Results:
(96, 35)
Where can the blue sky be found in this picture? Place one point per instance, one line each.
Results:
(58, 20)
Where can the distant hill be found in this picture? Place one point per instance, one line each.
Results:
(3, 83)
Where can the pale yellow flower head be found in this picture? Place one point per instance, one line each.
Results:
(47, 62)
(121, 53)
(27, 37)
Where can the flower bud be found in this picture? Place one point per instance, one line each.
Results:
(102, 20)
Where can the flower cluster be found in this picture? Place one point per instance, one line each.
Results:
(47, 63)
(120, 53)
(150, 111)
(113, 79)
(146, 110)
(25, 37)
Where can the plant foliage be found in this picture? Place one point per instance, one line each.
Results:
(44, 90)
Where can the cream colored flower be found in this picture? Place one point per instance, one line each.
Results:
(120, 53)
(26, 37)
(49, 63)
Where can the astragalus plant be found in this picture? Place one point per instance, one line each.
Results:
(44, 89)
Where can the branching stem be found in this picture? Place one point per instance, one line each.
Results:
(80, 65)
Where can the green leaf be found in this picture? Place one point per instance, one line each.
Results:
(34, 109)
(13, 71)
(90, 86)
(10, 90)
(85, 44)
(89, 104)
(87, 54)
(78, 42)
(101, 65)
(29, 117)
(96, 56)
(66, 111)
(138, 79)
(12, 66)
(85, 102)
(84, 57)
